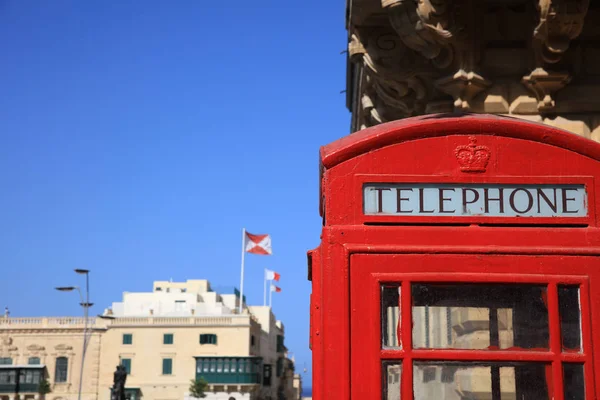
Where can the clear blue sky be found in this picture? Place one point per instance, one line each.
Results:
(139, 137)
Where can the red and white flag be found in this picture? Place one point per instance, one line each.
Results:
(271, 275)
(258, 244)
(275, 288)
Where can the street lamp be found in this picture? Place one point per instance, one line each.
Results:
(85, 303)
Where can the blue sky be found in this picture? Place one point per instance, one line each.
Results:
(139, 137)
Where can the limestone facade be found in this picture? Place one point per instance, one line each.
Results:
(178, 332)
(533, 59)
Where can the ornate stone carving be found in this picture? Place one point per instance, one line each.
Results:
(35, 347)
(560, 21)
(447, 32)
(545, 84)
(397, 82)
(63, 347)
(422, 27)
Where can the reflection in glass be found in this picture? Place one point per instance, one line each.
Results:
(570, 317)
(573, 382)
(390, 315)
(469, 316)
(391, 373)
(458, 381)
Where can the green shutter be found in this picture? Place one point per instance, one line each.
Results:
(126, 362)
(279, 367)
(33, 361)
(168, 338)
(167, 366)
(207, 338)
(127, 338)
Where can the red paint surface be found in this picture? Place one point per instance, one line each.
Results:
(357, 252)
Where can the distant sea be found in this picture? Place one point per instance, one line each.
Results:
(307, 392)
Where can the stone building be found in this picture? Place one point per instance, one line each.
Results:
(533, 59)
(178, 332)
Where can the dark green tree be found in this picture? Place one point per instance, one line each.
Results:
(198, 387)
(44, 387)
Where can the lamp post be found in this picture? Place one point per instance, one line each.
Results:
(85, 303)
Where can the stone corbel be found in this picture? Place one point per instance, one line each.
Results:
(560, 22)
(545, 84)
(463, 86)
(422, 27)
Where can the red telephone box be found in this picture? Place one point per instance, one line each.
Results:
(458, 260)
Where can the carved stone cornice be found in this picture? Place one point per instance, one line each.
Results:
(560, 21)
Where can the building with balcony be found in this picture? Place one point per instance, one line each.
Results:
(179, 332)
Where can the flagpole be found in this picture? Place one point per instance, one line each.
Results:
(265, 291)
(242, 273)
(271, 295)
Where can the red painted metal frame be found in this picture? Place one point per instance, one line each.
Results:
(370, 271)
(521, 152)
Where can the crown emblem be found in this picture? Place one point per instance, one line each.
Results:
(471, 157)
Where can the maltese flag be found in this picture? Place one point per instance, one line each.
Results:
(275, 288)
(258, 244)
(271, 275)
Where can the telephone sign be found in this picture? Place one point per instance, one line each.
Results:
(459, 259)
(472, 199)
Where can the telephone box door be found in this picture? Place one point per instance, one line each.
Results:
(505, 327)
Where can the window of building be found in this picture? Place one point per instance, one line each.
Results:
(30, 376)
(267, 370)
(252, 340)
(60, 372)
(8, 377)
(159, 289)
(33, 361)
(167, 366)
(5, 361)
(127, 338)
(126, 362)
(208, 338)
(280, 346)
(168, 338)
(279, 366)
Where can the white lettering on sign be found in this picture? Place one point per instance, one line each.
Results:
(462, 200)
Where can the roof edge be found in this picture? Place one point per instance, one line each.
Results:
(437, 125)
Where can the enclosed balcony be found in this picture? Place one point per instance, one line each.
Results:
(21, 379)
(229, 370)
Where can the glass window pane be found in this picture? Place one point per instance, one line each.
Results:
(435, 380)
(469, 316)
(390, 315)
(574, 381)
(570, 317)
(391, 374)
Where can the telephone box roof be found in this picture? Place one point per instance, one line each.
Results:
(438, 125)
